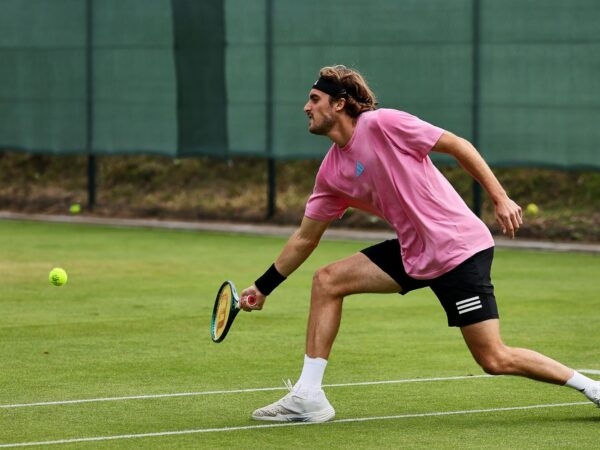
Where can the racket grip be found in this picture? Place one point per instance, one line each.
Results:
(251, 300)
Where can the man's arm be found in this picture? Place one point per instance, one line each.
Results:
(297, 249)
(300, 245)
(508, 214)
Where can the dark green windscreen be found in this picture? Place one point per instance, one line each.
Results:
(188, 77)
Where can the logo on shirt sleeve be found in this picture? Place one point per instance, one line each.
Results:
(359, 168)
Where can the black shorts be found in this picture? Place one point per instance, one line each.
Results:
(466, 292)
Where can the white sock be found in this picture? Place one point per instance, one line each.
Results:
(312, 374)
(579, 382)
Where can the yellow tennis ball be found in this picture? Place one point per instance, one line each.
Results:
(57, 276)
(533, 209)
(75, 208)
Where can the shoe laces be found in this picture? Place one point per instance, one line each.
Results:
(288, 384)
(295, 390)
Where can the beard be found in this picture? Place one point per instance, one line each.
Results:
(323, 127)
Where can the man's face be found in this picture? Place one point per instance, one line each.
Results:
(320, 112)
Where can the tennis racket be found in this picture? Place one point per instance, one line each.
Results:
(227, 306)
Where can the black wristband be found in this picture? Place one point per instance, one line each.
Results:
(269, 280)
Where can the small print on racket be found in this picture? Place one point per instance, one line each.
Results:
(227, 306)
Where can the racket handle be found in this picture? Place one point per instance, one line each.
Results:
(251, 300)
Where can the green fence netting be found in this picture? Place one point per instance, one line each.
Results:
(229, 77)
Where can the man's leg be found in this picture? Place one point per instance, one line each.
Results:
(353, 275)
(496, 358)
(306, 400)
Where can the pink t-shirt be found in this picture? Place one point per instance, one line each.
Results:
(385, 170)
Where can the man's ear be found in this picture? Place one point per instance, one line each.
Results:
(339, 104)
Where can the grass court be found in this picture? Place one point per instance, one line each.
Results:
(120, 357)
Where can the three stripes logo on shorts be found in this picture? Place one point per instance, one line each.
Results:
(469, 304)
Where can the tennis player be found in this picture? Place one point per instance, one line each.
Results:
(379, 162)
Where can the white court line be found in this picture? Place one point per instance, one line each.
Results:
(234, 391)
(287, 424)
(241, 391)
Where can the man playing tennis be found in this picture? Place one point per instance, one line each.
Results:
(379, 163)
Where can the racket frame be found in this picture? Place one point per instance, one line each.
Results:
(218, 320)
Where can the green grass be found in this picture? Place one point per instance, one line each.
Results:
(133, 320)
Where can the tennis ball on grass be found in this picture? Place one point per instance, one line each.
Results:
(57, 276)
(532, 209)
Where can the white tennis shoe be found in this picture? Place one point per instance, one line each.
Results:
(593, 393)
(297, 406)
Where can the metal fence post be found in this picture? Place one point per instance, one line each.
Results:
(475, 45)
(89, 139)
(271, 166)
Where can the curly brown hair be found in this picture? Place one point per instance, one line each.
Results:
(359, 97)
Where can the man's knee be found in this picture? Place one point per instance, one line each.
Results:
(326, 282)
(496, 362)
